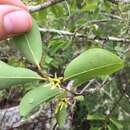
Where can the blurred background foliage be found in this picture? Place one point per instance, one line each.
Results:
(101, 24)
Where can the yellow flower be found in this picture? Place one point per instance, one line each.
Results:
(56, 81)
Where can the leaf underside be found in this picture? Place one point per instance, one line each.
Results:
(30, 44)
(35, 97)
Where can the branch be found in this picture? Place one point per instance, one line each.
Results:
(10, 118)
(123, 1)
(115, 39)
(53, 2)
(44, 5)
(61, 32)
(120, 1)
(67, 33)
(113, 16)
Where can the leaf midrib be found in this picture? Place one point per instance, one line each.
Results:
(45, 99)
(75, 75)
(31, 51)
(7, 77)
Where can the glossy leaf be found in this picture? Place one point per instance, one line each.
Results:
(92, 63)
(112, 127)
(35, 97)
(91, 5)
(30, 44)
(61, 116)
(117, 123)
(15, 75)
(96, 117)
(95, 128)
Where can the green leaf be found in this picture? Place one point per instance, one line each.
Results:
(79, 98)
(95, 128)
(92, 63)
(15, 75)
(111, 127)
(30, 44)
(96, 117)
(61, 115)
(35, 97)
(117, 123)
(91, 5)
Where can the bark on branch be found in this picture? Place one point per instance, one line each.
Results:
(71, 34)
(120, 1)
(44, 5)
(53, 2)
